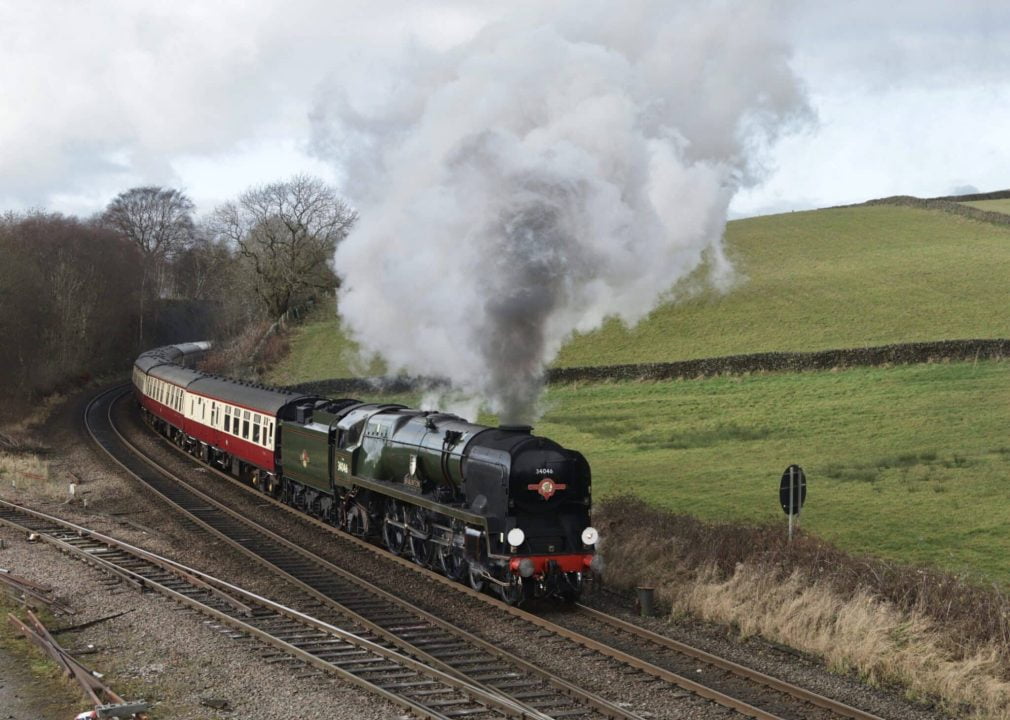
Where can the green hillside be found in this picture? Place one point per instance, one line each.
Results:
(833, 278)
(320, 351)
(907, 462)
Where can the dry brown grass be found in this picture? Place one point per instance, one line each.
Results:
(23, 470)
(861, 633)
(934, 634)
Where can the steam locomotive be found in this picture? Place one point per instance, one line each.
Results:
(497, 507)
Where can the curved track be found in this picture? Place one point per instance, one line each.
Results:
(744, 690)
(422, 690)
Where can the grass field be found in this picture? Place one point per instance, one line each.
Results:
(1000, 206)
(911, 463)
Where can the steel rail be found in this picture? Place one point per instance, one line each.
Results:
(776, 684)
(834, 706)
(511, 676)
(248, 613)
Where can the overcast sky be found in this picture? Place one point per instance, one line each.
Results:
(910, 97)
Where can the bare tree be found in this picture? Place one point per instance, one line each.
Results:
(159, 221)
(198, 269)
(287, 232)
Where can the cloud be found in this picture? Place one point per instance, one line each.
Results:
(104, 94)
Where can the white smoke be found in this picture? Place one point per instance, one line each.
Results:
(571, 162)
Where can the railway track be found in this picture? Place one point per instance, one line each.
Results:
(410, 630)
(422, 690)
(746, 691)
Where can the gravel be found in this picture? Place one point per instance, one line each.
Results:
(158, 650)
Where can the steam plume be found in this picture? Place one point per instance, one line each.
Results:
(571, 162)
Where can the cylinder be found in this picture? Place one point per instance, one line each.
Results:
(646, 597)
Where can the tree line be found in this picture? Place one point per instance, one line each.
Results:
(81, 297)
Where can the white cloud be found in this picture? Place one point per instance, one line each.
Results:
(98, 96)
(101, 95)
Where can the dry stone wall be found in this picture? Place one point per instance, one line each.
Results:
(953, 204)
(898, 354)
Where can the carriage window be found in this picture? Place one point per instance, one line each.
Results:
(256, 433)
(271, 438)
(245, 429)
(227, 419)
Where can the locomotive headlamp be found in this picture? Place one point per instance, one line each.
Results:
(590, 536)
(516, 537)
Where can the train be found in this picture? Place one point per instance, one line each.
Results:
(499, 508)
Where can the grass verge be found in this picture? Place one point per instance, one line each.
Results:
(50, 686)
(319, 350)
